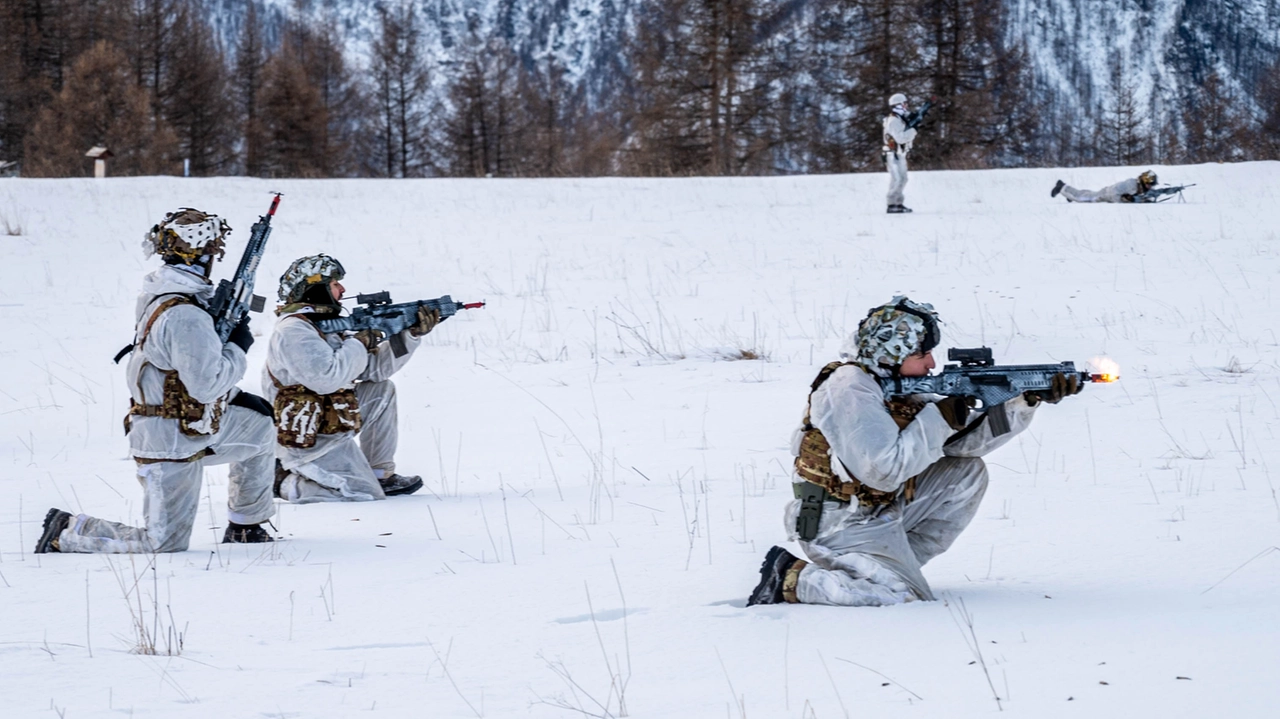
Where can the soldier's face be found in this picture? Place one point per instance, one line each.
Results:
(336, 289)
(918, 365)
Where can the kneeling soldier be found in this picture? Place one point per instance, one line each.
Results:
(898, 478)
(185, 411)
(327, 388)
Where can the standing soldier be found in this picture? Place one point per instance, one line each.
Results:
(185, 412)
(900, 477)
(326, 388)
(897, 143)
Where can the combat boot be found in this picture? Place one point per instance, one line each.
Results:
(246, 534)
(281, 475)
(55, 520)
(1057, 188)
(773, 575)
(400, 484)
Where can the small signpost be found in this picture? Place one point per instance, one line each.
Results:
(99, 155)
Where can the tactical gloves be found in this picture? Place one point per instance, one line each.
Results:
(955, 410)
(427, 321)
(252, 401)
(1061, 385)
(369, 338)
(240, 336)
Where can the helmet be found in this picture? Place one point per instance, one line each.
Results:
(1148, 178)
(187, 237)
(897, 99)
(298, 283)
(891, 333)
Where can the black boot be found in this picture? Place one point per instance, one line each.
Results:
(246, 534)
(400, 484)
(894, 210)
(55, 520)
(773, 572)
(904, 208)
(281, 475)
(1057, 188)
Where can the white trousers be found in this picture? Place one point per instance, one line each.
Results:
(1075, 195)
(336, 469)
(864, 557)
(171, 493)
(897, 166)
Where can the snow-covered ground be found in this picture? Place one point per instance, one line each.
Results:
(604, 477)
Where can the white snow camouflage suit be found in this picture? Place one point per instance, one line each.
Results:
(1111, 193)
(895, 128)
(870, 556)
(335, 469)
(182, 338)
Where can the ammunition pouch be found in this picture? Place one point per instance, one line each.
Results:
(195, 419)
(302, 415)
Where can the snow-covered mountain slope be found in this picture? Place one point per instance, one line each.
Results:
(1167, 48)
(602, 481)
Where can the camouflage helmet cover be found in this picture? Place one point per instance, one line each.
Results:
(186, 236)
(1148, 178)
(891, 333)
(306, 272)
(897, 99)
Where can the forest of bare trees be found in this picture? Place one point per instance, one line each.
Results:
(709, 87)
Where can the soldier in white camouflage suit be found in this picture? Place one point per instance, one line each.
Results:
(185, 411)
(327, 388)
(1123, 191)
(897, 144)
(900, 477)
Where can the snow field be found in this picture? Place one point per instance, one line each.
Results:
(603, 479)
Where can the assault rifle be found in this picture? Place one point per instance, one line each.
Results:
(378, 314)
(978, 376)
(234, 298)
(914, 119)
(1162, 194)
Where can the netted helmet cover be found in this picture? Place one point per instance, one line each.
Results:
(186, 236)
(891, 333)
(307, 272)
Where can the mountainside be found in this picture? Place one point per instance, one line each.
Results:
(1168, 48)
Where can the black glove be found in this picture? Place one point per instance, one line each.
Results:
(955, 410)
(240, 336)
(1061, 385)
(248, 400)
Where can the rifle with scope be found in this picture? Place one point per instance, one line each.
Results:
(377, 313)
(977, 375)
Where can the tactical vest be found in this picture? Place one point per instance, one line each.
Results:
(195, 419)
(813, 463)
(302, 414)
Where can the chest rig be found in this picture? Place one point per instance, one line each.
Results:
(302, 414)
(821, 483)
(195, 419)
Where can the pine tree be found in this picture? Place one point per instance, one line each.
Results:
(99, 104)
(293, 120)
(251, 56)
(196, 96)
(398, 134)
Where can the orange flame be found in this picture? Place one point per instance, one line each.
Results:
(1104, 369)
